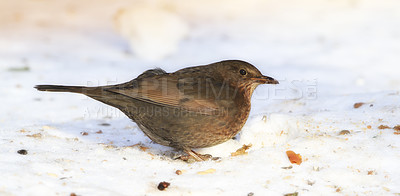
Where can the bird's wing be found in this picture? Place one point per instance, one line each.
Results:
(170, 92)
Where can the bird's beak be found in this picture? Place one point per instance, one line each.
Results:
(265, 80)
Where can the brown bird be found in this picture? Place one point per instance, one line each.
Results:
(194, 107)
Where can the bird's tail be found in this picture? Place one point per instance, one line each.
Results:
(58, 88)
(98, 93)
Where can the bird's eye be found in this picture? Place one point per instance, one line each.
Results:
(243, 72)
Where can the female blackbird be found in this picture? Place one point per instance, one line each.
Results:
(194, 107)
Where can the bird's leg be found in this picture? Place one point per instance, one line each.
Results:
(194, 154)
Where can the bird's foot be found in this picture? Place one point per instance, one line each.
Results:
(193, 156)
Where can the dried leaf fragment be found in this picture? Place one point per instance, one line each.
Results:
(359, 104)
(242, 150)
(292, 194)
(208, 171)
(289, 167)
(371, 172)
(36, 135)
(143, 148)
(344, 132)
(383, 127)
(140, 146)
(19, 69)
(293, 157)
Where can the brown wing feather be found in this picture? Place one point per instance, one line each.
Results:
(164, 91)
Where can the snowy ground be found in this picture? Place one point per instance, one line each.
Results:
(328, 56)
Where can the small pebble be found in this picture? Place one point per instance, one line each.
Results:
(178, 172)
(163, 185)
(22, 151)
(344, 132)
(84, 133)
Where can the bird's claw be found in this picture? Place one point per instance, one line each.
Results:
(191, 157)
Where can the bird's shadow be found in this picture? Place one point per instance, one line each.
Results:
(117, 133)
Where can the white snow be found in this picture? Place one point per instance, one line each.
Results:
(327, 55)
(154, 33)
